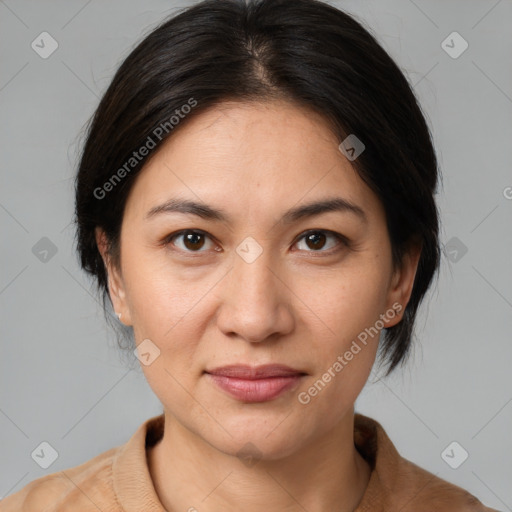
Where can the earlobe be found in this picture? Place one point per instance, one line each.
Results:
(115, 282)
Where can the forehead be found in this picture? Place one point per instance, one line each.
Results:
(252, 156)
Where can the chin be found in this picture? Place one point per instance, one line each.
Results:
(258, 436)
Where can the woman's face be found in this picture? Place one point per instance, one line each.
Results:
(254, 288)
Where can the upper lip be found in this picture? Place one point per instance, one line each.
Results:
(255, 372)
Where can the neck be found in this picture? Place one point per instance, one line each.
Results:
(191, 475)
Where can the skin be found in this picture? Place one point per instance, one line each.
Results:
(296, 304)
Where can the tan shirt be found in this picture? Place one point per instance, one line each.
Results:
(119, 480)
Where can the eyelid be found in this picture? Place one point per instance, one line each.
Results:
(167, 240)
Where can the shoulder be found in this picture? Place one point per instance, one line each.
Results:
(424, 491)
(85, 487)
(398, 484)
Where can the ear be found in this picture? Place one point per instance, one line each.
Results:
(402, 283)
(116, 286)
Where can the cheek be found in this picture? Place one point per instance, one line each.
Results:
(343, 358)
(348, 303)
(167, 308)
(160, 295)
(348, 299)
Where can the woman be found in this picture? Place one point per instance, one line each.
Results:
(256, 199)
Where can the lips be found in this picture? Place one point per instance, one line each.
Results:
(255, 383)
(255, 372)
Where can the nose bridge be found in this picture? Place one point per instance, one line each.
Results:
(252, 275)
(253, 304)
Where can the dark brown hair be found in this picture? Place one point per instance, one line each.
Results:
(304, 51)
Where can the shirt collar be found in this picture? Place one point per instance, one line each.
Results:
(135, 490)
(131, 478)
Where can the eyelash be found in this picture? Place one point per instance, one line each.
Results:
(340, 238)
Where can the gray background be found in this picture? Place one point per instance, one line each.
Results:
(63, 380)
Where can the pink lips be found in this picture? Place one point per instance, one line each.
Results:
(255, 384)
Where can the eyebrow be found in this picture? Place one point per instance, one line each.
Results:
(205, 211)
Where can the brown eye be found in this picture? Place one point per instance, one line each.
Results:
(192, 241)
(317, 240)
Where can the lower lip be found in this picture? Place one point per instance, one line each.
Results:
(256, 390)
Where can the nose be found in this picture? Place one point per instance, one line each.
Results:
(255, 301)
